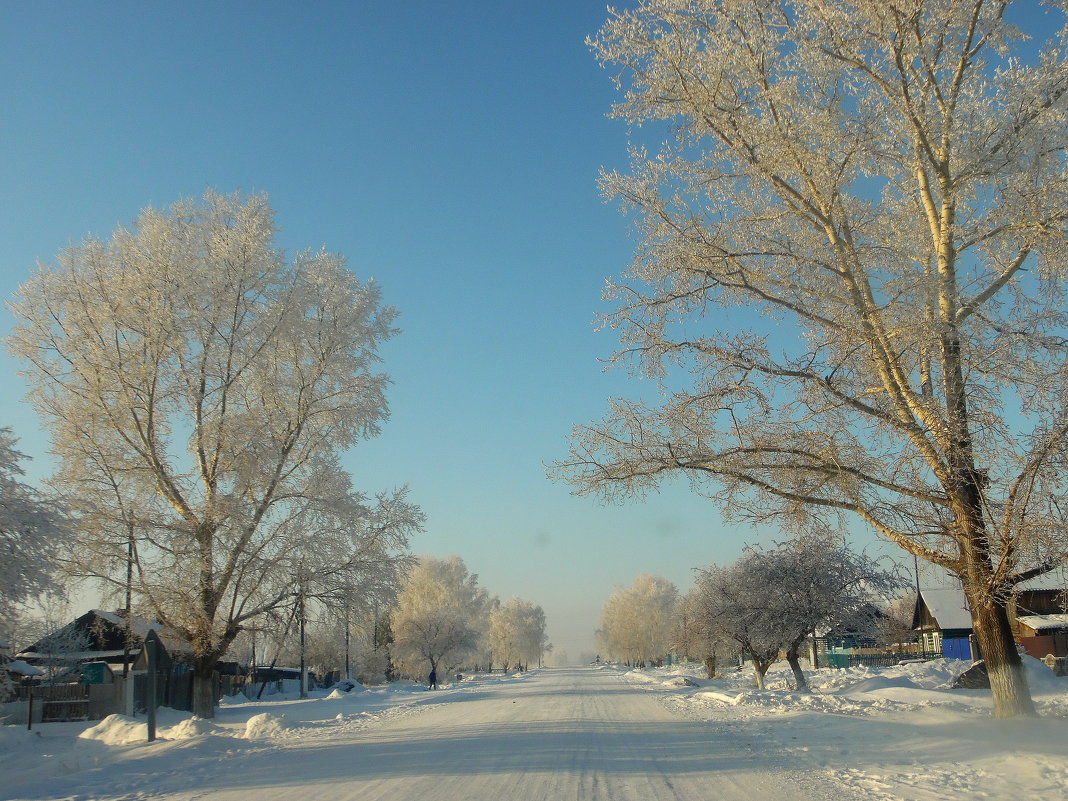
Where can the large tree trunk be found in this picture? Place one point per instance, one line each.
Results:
(203, 690)
(990, 617)
(710, 666)
(794, 661)
(1008, 683)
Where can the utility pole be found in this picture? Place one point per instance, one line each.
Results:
(128, 636)
(152, 654)
(303, 620)
(347, 676)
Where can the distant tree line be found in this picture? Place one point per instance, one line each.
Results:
(766, 604)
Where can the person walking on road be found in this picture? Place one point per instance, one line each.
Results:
(432, 681)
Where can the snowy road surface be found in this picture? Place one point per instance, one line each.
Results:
(569, 733)
(563, 734)
(898, 733)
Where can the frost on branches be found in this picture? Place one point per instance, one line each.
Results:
(441, 618)
(637, 621)
(854, 247)
(32, 533)
(199, 388)
(771, 600)
(516, 636)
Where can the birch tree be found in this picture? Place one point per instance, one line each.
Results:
(517, 633)
(200, 388)
(636, 622)
(854, 247)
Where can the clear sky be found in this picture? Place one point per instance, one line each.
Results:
(448, 149)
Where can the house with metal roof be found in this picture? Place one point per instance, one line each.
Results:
(942, 620)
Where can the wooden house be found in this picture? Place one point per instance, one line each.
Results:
(1040, 617)
(943, 622)
(1037, 612)
(96, 636)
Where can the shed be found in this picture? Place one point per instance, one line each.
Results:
(1042, 635)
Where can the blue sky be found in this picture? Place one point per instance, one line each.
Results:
(449, 150)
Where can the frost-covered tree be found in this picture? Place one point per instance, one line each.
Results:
(57, 644)
(733, 604)
(200, 387)
(517, 633)
(694, 638)
(33, 532)
(636, 621)
(813, 582)
(441, 617)
(854, 245)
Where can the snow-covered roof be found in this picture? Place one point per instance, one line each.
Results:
(1054, 580)
(948, 607)
(22, 668)
(83, 634)
(138, 625)
(72, 657)
(1045, 622)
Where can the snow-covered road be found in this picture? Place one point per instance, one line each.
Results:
(880, 734)
(569, 733)
(561, 734)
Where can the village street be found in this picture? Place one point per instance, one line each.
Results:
(577, 733)
(591, 733)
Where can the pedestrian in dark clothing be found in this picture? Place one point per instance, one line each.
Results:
(433, 680)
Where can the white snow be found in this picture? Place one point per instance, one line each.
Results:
(1045, 622)
(265, 725)
(21, 668)
(592, 733)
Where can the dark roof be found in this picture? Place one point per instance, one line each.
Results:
(95, 634)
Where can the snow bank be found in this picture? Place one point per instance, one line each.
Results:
(857, 691)
(170, 725)
(880, 683)
(1040, 678)
(346, 688)
(192, 727)
(117, 730)
(265, 725)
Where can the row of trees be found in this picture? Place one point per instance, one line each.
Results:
(445, 621)
(439, 619)
(768, 602)
(200, 389)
